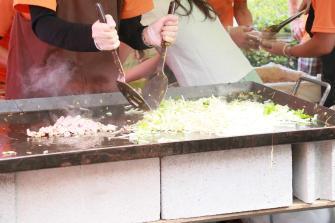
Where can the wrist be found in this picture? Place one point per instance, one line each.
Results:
(145, 37)
(287, 50)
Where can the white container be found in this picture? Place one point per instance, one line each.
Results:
(314, 171)
(226, 181)
(307, 90)
(127, 192)
(284, 79)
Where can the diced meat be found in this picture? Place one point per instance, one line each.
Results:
(72, 126)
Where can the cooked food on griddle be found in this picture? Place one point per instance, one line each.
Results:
(215, 116)
(72, 126)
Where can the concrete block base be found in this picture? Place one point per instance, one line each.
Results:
(226, 181)
(7, 198)
(127, 191)
(313, 171)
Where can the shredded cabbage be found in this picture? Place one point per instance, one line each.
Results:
(215, 116)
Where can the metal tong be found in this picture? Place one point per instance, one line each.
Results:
(133, 97)
(156, 85)
(274, 29)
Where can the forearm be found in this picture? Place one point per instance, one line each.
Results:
(144, 69)
(242, 13)
(321, 44)
(293, 6)
(3, 56)
(130, 32)
(57, 32)
(78, 37)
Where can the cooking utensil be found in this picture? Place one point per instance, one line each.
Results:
(156, 86)
(133, 96)
(272, 30)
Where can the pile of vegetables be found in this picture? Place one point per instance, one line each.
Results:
(215, 116)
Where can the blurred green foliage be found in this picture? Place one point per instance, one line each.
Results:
(266, 13)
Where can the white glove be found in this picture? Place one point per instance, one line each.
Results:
(105, 35)
(164, 29)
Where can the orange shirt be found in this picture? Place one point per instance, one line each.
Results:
(225, 10)
(7, 14)
(131, 8)
(324, 21)
(4, 43)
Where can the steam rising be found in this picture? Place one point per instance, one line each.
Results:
(50, 79)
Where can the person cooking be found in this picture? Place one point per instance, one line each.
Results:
(59, 47)
(321, 27)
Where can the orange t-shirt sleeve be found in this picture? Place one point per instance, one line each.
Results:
(133, 8)
(7, 14)
(224, 9)
(23, 5)
(240, 1)
(324, 21)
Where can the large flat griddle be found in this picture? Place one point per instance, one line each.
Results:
(18, 115)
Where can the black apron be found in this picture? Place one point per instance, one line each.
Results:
(328, 62)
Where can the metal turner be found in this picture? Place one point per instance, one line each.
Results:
(133, 96)
(156, 85)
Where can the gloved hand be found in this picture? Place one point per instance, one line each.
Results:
(105, 35)
(164, 29)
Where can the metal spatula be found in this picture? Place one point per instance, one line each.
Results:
(133, 97)
(156, 85)
(272, 30)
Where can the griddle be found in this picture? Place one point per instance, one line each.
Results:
(18, 115)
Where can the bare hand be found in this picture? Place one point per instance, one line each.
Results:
(242, 36)
(298, 29)
(273, 47)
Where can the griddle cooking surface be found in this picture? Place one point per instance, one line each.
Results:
(31, 153)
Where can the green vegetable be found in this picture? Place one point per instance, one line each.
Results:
(214, 116)
(206, 103)
(301, 114)
(269, 108)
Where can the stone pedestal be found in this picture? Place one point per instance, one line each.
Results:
(127, 191)
(226, 181)
(314, 171)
